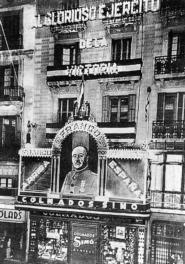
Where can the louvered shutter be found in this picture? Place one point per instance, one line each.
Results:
(106, 109)
(160, 107)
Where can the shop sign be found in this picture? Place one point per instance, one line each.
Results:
(35, 152)
(7, 215)
(93, 43)
(103, 11)
(84, 241)
(85, 204)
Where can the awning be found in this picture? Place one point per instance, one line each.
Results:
(135, 154)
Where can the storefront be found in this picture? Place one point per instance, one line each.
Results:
(87, 202)
(87, 236)
(167, 238)
(13, 230)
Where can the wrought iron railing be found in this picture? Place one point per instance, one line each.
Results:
(170, 64)
(170, 200)
(172, 8)
(12, 93)
(168, 129)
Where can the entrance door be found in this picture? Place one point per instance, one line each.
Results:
(83, 243)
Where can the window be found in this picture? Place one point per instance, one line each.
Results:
(8, 76)
(65, 109)
(6, 183)
(11, 25)
(121, 108)
(171, 106)
(167, 173)
(7, 131)
(67, 54)
(176, 43)
(121, 49)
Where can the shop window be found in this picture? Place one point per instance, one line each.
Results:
(6, 183)
(176, 43)
(119, 109)
(65, 109)
(171, 106)
(121, 49)
(163, 172)
(51, 241)
(168, 240)
(66, 54)
(122, 243)
(10, 30)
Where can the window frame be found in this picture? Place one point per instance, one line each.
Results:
(131, 108)
(14, 32)
(68, 111)
(73, 58)
(125, 49)
(164, 176)
(179, 108)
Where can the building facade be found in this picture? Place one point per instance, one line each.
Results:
(105, 78)
(16, 79)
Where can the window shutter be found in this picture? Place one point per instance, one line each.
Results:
(132, 108)
(180, 105)
(1, 81)
(57, 55)
(160, 106)
(106, 109)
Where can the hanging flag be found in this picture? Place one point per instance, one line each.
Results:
(81, 96)
(147, 103)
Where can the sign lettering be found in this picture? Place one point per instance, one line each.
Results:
(103, 11)
(7, 215)
(73, 203)
(93, 43)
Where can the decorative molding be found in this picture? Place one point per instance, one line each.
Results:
(83, 126)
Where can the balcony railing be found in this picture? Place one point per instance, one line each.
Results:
(168, 65)
(173, 8)
(11, 93)
(168, 129)
(170, 200)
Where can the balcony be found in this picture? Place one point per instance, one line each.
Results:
(11, 93)
(167, 200)
(168, 129)
(173, 66)
(172, 7)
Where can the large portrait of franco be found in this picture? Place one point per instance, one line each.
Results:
(79, 159)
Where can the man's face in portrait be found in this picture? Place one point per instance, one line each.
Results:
(79, 158)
